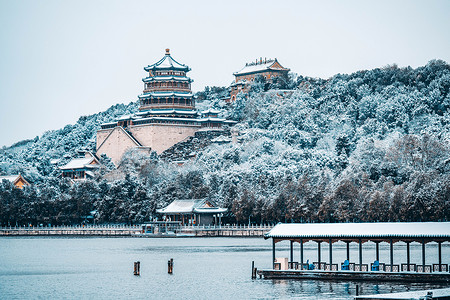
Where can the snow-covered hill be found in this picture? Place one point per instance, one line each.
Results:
(369, 146)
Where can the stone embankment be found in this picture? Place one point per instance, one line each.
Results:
(135, 231)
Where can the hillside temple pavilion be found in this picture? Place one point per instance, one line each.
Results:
(167, 114)
(267, 68)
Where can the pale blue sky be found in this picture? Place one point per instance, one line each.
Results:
(60, 60)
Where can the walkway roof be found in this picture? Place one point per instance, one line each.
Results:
(365, 231)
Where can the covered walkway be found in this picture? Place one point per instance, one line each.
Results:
(361, 233)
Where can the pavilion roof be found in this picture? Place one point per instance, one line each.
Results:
(190, 206)
(167, 63)
(261, 67)
(361, 230)
(13, 178)
(80, 163)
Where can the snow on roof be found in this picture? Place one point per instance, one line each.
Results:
(361, 230)
(11, 178)
(258, 67)
(211, 210)
(191, 205)
(110, 123)
(179, 206)
(167, 119)
(166, 94)
(167, 62)
(163, 78)
(55, 161)
(210, 111)
(171, 111)
(209, 119)
(78, 163)
(125, 117)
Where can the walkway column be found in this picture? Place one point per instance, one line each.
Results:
(318, 252)
(408, 256)
(440, 255)
(331, 252)
(377, 251)
(273, 253)
(292, 253)
(360, 254)
(301, 254)
(392, 254)
(423, 254)
(348, 251)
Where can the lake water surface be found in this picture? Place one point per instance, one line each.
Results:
(204, 268)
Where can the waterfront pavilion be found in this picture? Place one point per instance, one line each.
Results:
(360, 233)
(192, 212)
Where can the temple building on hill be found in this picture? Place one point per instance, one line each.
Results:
(269, 69)
(80, 168)
(166, 116)
(17, 180)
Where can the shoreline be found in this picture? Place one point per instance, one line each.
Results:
(135, 231)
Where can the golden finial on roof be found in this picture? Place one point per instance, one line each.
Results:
(167, 51)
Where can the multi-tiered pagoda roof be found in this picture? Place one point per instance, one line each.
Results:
(166, 86)
(167, 98)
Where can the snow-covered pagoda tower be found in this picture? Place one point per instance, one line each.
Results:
(167, 86)
(166, 116)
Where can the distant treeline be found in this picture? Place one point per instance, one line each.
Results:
(369, 146)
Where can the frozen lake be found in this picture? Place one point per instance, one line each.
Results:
(204, 268)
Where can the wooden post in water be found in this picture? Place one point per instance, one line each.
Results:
(253, 267)
(170, 266)
(254, 270)
(357, 290)
(137, 268)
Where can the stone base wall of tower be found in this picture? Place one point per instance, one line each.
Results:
(161, 137)
(102, 134)
(158, 137)
(115, 144)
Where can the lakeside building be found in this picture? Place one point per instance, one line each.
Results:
(80, 168)
(360, 233)
(167, 114)
(193, 212)
(269, 69)
(17, 180)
